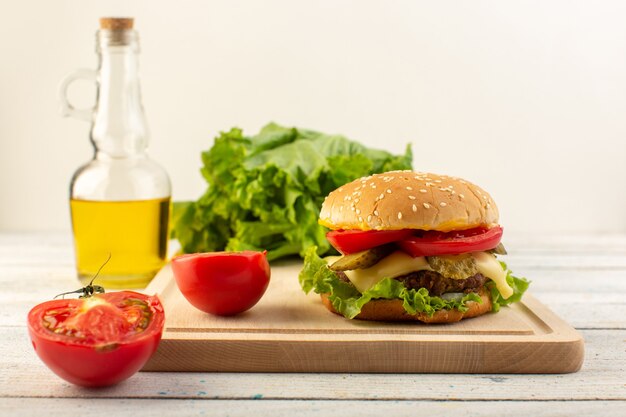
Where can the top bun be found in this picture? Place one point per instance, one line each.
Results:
(408, 200)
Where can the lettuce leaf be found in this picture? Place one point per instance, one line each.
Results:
(316, 276)
(519, 285)
(265, 191)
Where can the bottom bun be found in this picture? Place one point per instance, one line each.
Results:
(392, 310)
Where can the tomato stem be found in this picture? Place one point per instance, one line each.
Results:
(90, 289)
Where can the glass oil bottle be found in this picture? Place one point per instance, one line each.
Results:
(120, 200)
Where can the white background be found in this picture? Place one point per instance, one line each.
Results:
(525, 98)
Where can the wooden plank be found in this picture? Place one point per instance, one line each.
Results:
(566, 292)
(602, 249)
(590, 262)
(597, 310)
(42, 280)
(278, 408)
(517, 262)
(591, 310)
(290, 332)
(601, 377)
(36, 248)
(46, 279)
(33, 265)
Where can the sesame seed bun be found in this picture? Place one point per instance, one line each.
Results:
(392, 310)
(408, 200)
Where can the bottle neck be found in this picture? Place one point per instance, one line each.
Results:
(119, 129)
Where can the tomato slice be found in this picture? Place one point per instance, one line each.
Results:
(432, 243)
(97, 341)
(351, 241)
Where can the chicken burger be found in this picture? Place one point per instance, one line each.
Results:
(414, 246)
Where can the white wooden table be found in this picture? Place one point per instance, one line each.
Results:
(581, 277)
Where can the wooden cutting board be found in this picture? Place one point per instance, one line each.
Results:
(288, 331)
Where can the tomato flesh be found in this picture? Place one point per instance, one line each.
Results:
(433, 243)
(222, 283)
(352, 241)
(97, 341)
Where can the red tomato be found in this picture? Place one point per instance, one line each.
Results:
(222, 283)
(351, 241)
(97, 341)
(438, 243)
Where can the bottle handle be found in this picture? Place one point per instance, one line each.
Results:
(67, 109)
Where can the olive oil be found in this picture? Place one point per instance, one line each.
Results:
(135, 233)
(120, 199)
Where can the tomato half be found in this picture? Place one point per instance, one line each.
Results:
(222, 283)
(97, 341)
(352, 241)
(438, 243)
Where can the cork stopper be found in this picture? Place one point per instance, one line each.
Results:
(116, 23)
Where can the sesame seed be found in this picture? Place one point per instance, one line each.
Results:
(411, 197)
(426, 205)
(360, 219)
(348, 198)
(375, 212)
(369, 218)
(352, 208)
(414, 208)
(488, 205)
(461, 195)
(373, 186)
(388, 190)
(356, 200)
(423, 191)
(429, 184)
(358, 211)
(381, 196)
(442, 204)
(399, 215)
(484, 197)
(438, 181)
(409, 188)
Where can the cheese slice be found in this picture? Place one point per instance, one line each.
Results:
(399, 263)
(396, 264)
(489, 266)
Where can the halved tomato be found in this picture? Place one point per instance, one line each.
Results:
(432, 243)
(222, 283)
(351, 241)
(98, 340)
